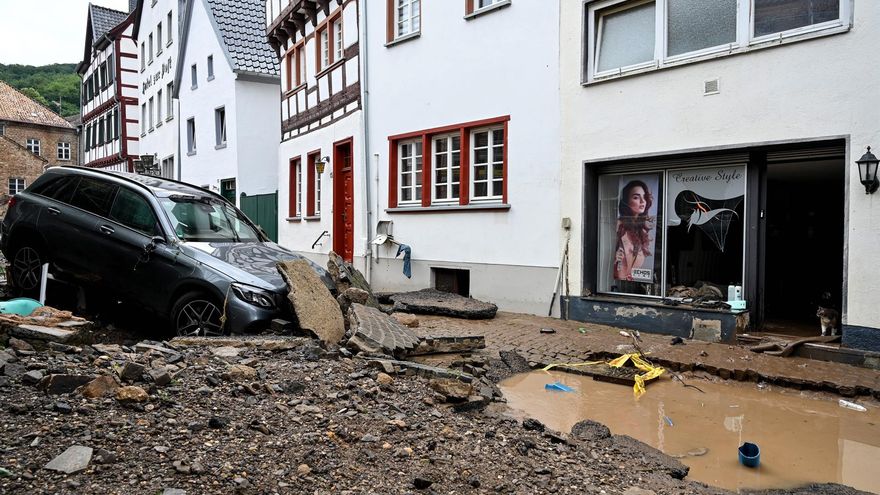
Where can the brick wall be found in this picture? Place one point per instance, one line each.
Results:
(18, 162)
(49, 138)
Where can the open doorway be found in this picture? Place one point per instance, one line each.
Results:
(804, 244)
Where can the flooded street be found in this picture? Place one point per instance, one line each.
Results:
(803, 437)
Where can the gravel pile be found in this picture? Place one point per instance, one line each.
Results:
(281, 415)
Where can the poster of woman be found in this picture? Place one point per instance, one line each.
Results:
(636, 228)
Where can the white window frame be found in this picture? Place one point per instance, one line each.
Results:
(143, 122)
(324, 40)
(16, 185)
(170, 29)
(300, 55)
(159, 107)
(745, 39)
(220, 127)
(409, 22)
(150, 53)
(194, 76)
(415, 187)
(191, 136)
(492, 196)
(210, 67)
(63, 151)
(338, 41)
(152, 110)
(143, 56)
(450, 184)
(169, 110)
(298, 168)
(159, 38)
(33, 145)
(489, 5)
(317, 198)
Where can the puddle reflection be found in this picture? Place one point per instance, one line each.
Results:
(802, 439)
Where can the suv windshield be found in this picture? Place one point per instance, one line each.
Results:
(201, 219)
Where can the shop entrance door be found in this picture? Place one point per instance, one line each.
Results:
(803, 244)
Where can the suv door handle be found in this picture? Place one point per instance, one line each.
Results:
(107, 229)
(53, 211)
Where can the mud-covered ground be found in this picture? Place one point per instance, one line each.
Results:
(284, 416)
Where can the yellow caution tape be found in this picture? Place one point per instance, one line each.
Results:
(650, 371)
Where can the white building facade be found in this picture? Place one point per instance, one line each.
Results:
(739, 122)
(462, 122)
(227, 84)
(320, 164)
(157, 32)
(109, 94)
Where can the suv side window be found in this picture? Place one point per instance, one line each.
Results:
(133, 211)
(94, 196)
(60, 189)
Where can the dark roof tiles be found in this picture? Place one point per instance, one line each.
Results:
(104, 19)
(242, 26)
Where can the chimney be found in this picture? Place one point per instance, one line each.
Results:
(132, 4)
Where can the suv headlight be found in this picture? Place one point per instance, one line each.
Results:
(253, 295)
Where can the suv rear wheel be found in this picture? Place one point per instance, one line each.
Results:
(27, 265)
(197, 315)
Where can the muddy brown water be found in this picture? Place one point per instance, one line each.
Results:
(803, 437)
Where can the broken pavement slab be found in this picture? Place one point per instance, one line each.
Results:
(48, 334)
(316, 309)
(73, 460)
(374, 331)
(418, 369)
(435, 302)
(346, 276)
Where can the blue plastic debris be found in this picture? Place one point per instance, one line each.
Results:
(21, 306)
(558, 386)
(668, 420)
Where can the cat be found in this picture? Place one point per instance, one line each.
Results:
(828, 319)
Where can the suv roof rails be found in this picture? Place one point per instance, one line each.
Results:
(124, 176)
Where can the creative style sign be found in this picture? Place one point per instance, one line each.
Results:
(707, 199)
(636, 227)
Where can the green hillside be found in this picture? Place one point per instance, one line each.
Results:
(47, 84)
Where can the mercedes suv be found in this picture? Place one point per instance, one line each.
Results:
(180, 251)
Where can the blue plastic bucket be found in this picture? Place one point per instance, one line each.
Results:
(749, 455)
(22, 306)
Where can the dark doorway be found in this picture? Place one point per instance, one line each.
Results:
(804, 244)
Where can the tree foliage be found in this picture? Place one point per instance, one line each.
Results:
(47, 84)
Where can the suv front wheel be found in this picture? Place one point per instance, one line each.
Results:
(197, 315)
(27, 263)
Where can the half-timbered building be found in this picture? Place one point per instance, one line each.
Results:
(109, 95)
(321, 183)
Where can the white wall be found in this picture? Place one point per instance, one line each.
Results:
(162, 141)
(824, 87)
(258, 130)
(504, 62)
(210, 163)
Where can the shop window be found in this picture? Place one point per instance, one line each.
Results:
(625, 36)
(662, 232)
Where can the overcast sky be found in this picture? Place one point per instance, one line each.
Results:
(40, 32)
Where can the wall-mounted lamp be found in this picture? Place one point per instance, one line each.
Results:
(868, 171)
(321, 163)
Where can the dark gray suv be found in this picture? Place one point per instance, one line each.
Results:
(180, 251)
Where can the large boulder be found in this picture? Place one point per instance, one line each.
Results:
(435, 302)
(316, 309)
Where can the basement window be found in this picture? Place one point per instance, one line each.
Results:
(452, 280)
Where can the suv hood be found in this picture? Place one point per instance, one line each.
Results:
(252, 263)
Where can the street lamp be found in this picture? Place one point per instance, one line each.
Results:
(321, 163)
(868, 171)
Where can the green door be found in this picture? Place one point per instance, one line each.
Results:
(262, 209)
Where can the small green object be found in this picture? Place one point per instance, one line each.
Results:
(582, 330)
(5, 473)
(22, 306)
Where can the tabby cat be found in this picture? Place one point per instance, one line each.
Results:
(829, 319)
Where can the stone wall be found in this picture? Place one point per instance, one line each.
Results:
(49, 138)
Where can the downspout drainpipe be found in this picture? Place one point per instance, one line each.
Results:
(365, 94)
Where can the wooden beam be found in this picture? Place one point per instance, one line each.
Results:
(311, 10)
(299, 20)
(325, 6)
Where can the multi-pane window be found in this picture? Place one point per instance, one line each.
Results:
(316, 198)
(337, 39)
(407, 17)
(159, 107)
(482, 4)
(631, 35)
(487, 170)
(16, 185)
(152, 109)
(301, 65)
(220, 126)
(158, 38)
(324, 44)
(170, 27)
(191, 135)
(63, 151)
(410, 168)
(447, 168)
(295, 181)
(169, 111)
(33, 145)
(210, 67)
